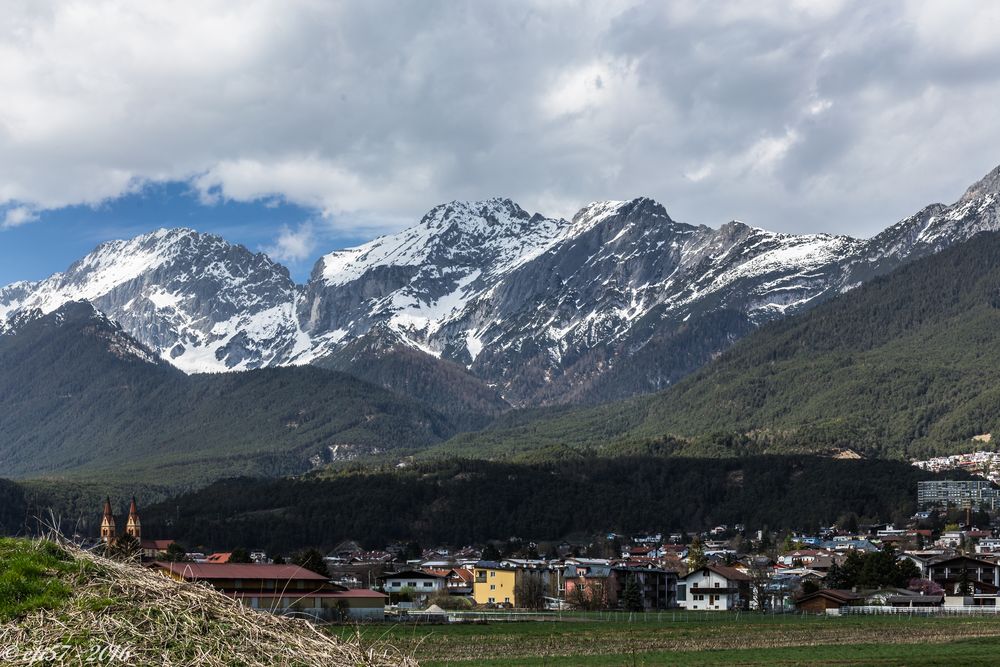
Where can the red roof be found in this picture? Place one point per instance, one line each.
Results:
(159, 545)
(358, 593)
(355, 593)
(464, 574)
(193, 571)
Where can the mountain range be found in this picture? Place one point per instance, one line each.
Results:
(904, 366)
(511, 308)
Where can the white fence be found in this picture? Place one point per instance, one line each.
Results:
(922, 611)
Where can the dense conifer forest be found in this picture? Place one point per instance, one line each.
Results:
(463, 501)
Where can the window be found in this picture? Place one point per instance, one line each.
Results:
(493, 574)
(428, 584)
(493, 587)
(491, 600)
(396, 584)
(507, 600)
(717, 584)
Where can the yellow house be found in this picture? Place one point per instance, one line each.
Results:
(494, 584)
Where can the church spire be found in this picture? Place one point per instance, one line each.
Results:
(133, 527)
(107, 523)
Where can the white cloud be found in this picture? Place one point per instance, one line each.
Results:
(293, 245)
(17, 216)
(831, 116)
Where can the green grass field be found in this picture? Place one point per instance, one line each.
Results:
(28, 577)
(704, 639)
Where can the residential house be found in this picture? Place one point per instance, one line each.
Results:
(589, 581)
(988, 545)
(422, 584)
(494, 583)
(827, 601)
(154, 549)
(981, 575)
(803, 557)
(715, 587)
(901, 597)
(657, 586)
(458, 580)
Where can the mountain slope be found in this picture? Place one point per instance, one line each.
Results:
(80, 397)
(620, 300)
(385, 359)
(904, 365)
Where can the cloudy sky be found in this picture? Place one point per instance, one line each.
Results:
(299, 127)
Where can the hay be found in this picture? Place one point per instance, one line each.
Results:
(122, 613)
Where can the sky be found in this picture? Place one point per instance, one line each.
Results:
(296, 127)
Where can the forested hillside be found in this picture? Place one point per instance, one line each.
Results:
(384, 359)
(462, 501)
(903, 366)
(80, 398)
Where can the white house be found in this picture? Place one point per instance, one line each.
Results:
(714, 587)
(421, 583)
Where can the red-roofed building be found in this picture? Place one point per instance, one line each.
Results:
(284, 589)
(220, 557)
(154, 549)
(458, 581)
(714, 587)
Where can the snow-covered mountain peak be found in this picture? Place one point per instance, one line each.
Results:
(197, 300)
(495, 211)
(596, 212)
(987, 185)
(488, 235)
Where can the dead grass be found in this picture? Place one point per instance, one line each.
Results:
(126, 613)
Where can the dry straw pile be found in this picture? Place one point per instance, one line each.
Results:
(121, 613)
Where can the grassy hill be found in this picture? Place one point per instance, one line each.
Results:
(906, 365)
(80, 399)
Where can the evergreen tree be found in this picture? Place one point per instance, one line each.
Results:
(632, 596)
(835, 577)
(964, 585)
(696, 556)
(311, 560)
(175, 553)
(413, 551)
(124, 547)
(239, 555)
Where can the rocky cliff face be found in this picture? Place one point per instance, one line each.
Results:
(620, 300)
